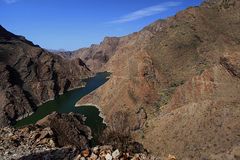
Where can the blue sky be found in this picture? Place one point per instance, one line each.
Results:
(72, 24)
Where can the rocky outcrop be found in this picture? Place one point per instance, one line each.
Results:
(60, 136)
(96, 55)
(57, 135)
(16, 148)
(184, 73)
(69, 129)
(30, 76)
(108, 153)
(231, 63)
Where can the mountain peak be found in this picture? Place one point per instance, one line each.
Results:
(6, 35)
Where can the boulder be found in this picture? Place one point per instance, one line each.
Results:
(116, 154)
(108, 157)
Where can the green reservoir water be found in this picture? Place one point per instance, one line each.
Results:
(65, 103)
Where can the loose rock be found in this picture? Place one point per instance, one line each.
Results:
(116, 154)
(108, 157)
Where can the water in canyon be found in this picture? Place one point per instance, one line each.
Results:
(65, 103)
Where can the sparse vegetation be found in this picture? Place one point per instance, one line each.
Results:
(118, 134)
(166, 94)
(132, 95)
(202, 65)
(177, 83)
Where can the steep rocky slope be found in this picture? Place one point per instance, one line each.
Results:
(29, 76)
(178, 79)
(96, 55)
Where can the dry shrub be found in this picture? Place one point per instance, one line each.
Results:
(118, 134)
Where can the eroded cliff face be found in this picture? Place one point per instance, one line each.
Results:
(183, 72)
(96, 55)
(30, 76)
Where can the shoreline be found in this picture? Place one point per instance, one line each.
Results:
(98, 107)
(70, 89)
(60, 93)
(84, 83)
(43, 102)
(24, 116)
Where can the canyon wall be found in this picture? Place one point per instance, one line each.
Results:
(30, 76)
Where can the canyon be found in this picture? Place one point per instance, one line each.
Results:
(177, 81)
